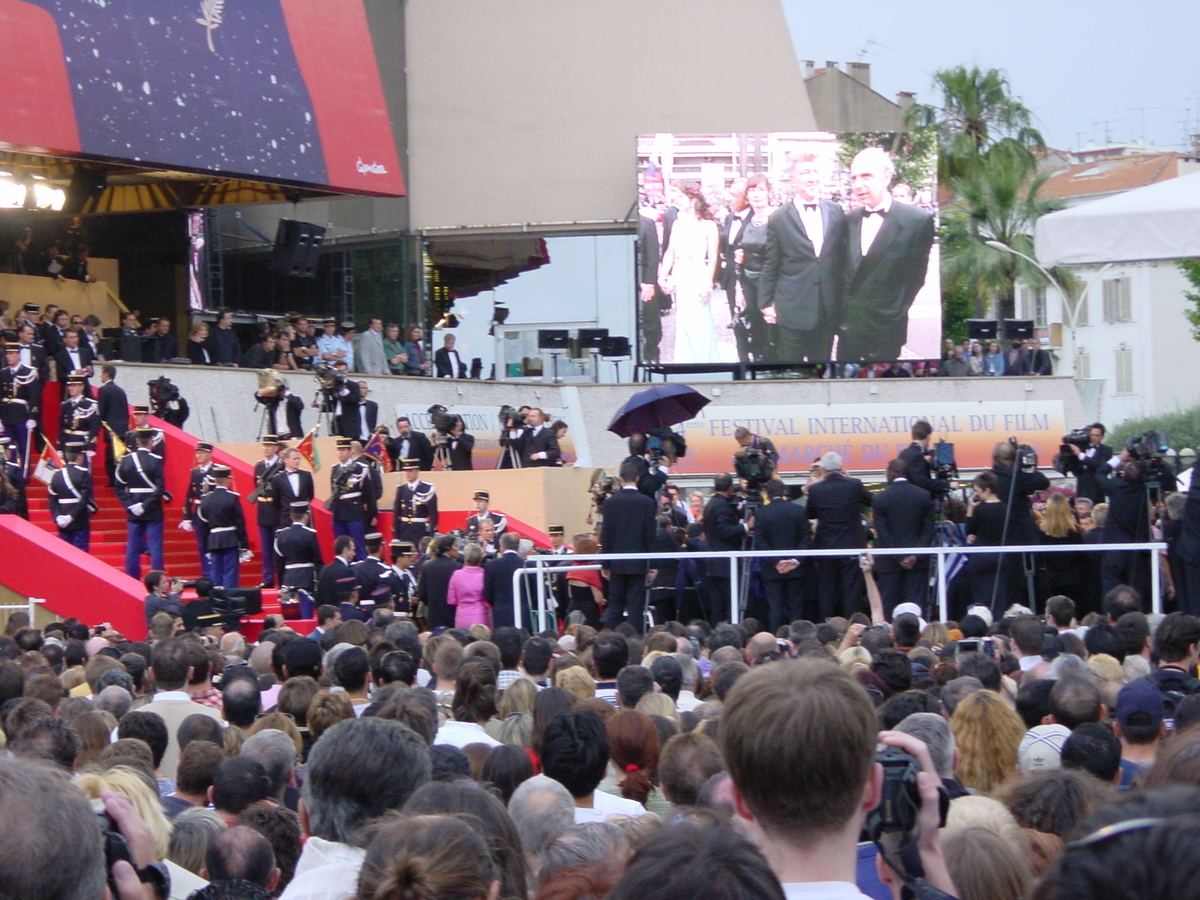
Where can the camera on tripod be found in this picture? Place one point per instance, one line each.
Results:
(162, 392)
(443, 423)
(1025, 457)
(942, 460)
(511, 417)
(329, 378)
(1148, 446)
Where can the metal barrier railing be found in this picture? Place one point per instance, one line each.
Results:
(30, 606)
(541, 565)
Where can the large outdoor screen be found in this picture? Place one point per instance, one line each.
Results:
(787, 247)
(278, 90)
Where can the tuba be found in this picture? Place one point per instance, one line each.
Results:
(270, 385)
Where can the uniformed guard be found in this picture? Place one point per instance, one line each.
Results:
(483, 513)
(141, 419)
(20, 392)
(415, 511)
(265, 509)
(221, 511)
(347, 501)
(404, 555)
(299, 551)
(557, 581)
(142, 490)
(79, 419)
(378, 583)
(71, 500)
(199, 484)
(12, 486)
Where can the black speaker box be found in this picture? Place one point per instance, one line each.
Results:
(982, 329)
(297, 248)
(1018, 329)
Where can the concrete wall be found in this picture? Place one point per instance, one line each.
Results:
(223, 407)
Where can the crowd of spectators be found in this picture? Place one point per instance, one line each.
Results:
(1050, 757)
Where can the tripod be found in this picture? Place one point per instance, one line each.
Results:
(441, 451)
(509, 454)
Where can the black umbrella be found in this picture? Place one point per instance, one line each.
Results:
(659, 406)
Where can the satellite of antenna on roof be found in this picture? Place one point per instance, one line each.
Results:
(866, 48)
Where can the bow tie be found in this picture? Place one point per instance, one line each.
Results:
(810, 207)
(873, 212)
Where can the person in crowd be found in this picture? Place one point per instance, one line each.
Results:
(224, 348)
(369, 351)
(836, 501)
(416, 362)
(393, 349)
(465, 591)
(1059, 573)
(198, 351)
(447, 362)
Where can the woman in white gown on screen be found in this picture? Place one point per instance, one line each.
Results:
(689, 268)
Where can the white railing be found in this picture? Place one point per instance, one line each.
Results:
(540, 565)
(30, 606)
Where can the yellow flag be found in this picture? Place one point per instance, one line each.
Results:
(118, 445)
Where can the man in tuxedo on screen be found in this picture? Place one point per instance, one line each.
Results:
(888, 256)
(804, 268)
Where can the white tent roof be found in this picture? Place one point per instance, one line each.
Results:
(1159, 221)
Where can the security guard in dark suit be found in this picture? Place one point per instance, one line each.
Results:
(404, 555)
(79, 419)
(415, 510)
(141, 419)
(782, 525)
(903, 514)
(199, 483)
(71, 503)
(266, 511)
(221, 511)
(299, 554)
(348, 480)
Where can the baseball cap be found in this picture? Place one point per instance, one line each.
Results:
(1041, 748)
(1139, 703)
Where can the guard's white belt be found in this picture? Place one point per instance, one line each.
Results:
(222, 528)
(143, 490)
(69, 500)
(299, 565)
(410, 519)
(350, 496)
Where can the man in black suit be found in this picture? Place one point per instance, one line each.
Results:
(368, 412)
(1187, 545)
(410, 444)
(166, 346)
(539, 446)
(918, 469)
(1089, 462)
(836, 501)
(293, 408)
(1021, 529)
(723, 530)
(1124, 484)
(113, 403)
(345, 398)
(782, 525)
(652, 475)
(804, 268)
(498, 580)
(291, 486)
(888, 253)
(650, 296)
(903, 518)
(446, 361)
(33, 354)
(461, 446)
(75, 358)
(628, 527)
(1039, 360)
(299, 552)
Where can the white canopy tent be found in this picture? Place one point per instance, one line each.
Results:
(1159, 221)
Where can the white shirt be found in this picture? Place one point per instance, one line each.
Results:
(326, 871)
(1028, 662)
(455, 364)
(459, 734)
(814, 226)
(605, 805)
(872, 224)
(687, 701)
(821, 890)
(76, 363)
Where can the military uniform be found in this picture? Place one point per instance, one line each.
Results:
(348, 502)
(20, 393)
(378, 583)
(415, 510)
(79, 420)
(266, 510)
(141, 490)
(299, 551)
(157, 442)
(221, 511)
(71, 503)
(199, 484)
(499, 520)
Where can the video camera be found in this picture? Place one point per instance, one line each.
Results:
(1077, 438)
(328, 377)
(1026, 458)
(663, 442)
(755, 466)
(511, 417)
(1148, 446)
(162, 392)
(942, 460)
(443, 421)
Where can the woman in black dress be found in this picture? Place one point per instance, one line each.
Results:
(1059, 573)
(750, 252)
(985, 528)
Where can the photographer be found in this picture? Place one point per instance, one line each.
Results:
(1087, 461)
(512, 436)
(167, 403)
(162, 595)
(461, 447)
(916, 458)
(652, 474)
(450, 446)
(338, 397)
(410, 444)
(1017, 479)
(756, 457)
(1125, 485)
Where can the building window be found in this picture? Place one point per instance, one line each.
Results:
(1124, 370)
(1083, 364)
(1117, 304)
(1082, 317)
(1033, 305)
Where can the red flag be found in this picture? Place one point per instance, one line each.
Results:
(377, 450)
(308, 450)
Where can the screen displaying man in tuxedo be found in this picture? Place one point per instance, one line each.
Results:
(888, 257)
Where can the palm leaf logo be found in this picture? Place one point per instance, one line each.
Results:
(210, 18)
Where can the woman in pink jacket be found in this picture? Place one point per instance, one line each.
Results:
(466, 591)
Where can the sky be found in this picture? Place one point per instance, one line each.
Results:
(1076, 65)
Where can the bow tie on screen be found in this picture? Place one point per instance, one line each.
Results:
(873, 212)
(811, 207)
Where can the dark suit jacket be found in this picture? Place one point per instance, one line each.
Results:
(648, 254)
(114, 407)
(1087, 484)
(39, 361)
(371, 410)
(920, 472)
(1188, 543)
(781, 525)
(419, 449)
(1021, 527)
(542, 442)
(669, 218)
(628, 527)
(65, 367)
(443, 364)
(723, 530)
(836, 503)
(731, 230)
(804, 289)
(903, 518)
(498, 587)
(883, 284)
(284, 495)
(461, 449)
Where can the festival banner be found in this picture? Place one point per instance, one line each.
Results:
(868, 436)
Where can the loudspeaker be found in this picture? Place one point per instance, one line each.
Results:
(129, 348)
(553, 340)
(1018, 329)
(592, 337)
(615, 346)
(297, 248)
(982, 329)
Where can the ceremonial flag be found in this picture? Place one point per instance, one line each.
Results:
(377, 450)
(118, 446)
(47, 464)
(308, 449)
